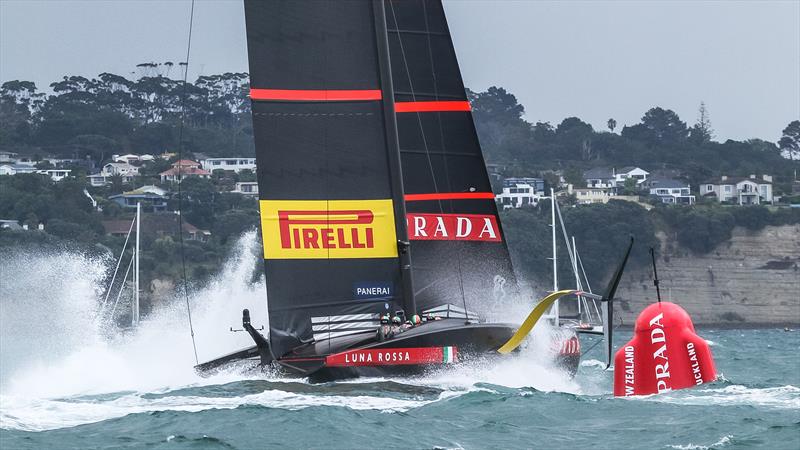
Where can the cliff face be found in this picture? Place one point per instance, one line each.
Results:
(754, 278)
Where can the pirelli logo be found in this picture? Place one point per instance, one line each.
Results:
(328, 229)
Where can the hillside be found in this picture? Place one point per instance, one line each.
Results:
(751, 279)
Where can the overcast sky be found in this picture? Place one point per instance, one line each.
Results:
(593, 60)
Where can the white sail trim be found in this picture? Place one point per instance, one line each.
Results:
(345, 326)
(332, 334)
(345, 317)
(452, 311)
(327, 327)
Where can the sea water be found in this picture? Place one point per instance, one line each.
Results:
(68, 380)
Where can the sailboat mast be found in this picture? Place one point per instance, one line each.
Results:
(555, 252)
(575, 271)
(135, 314)
(395, 167)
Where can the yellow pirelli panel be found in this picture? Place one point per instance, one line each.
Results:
(328, 229)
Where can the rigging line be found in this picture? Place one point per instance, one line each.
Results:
(180, 194)
(119, 294)
(121, 253)
(588, 286)
(422, 131)
(444, 152)
(599, 341)
(414, 98)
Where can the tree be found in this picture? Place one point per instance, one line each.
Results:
(658, 126)
(574, 176)
(629, 188)
(611, 124)
(790, 141)
(498, 103)
(44, 165)
(702, 132)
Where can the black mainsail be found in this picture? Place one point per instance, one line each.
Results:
(328, 169)
(359, 112)
(459, 252)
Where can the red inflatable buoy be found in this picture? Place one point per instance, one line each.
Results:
(665, 354)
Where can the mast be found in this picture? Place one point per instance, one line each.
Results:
(395, 167)
(135, 307)
(575, 271)
(555, 252)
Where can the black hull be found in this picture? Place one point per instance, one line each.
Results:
(474, 341)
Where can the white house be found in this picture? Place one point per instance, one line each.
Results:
(125, 170)
(233, 164)
(630, 172)
(739, 190)
(8, 157)
(519, 192)
(605, 178)
(671, 191)
(587, 196)
(129, 158)
(13, 169)
(246, 188)
(55, 174)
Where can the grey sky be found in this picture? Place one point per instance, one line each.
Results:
(593, 60)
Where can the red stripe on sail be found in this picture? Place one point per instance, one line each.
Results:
(406, 107)
(450, 196)
(316, 95)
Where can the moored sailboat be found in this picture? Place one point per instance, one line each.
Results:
(383, 249)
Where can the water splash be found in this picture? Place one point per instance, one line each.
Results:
(62, 290)
(68, 370)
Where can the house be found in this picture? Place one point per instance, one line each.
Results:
(157, 225)
(130, 158)
(12, 225)
(519, 192)
(587, 196)
(600, 177)
(629, 172)
(8, 157)
(183, 169)
(612, 178)
(151, 197)
(13, 169)
(246, 188)
(55, 174)
(236, 164)
(671, 191)
(123, 169)
(739, 190)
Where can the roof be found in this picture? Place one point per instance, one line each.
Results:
(185, 163)
(667, 183)
(187, 171)
(152, 224)
(116, 226)
(20, 166)
(736, 180)
(10, 224)
(149, 189)
(627, 169)
(602, 173)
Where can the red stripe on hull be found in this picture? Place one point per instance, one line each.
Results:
(295, 95)
(450, 196)
(407, 107)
